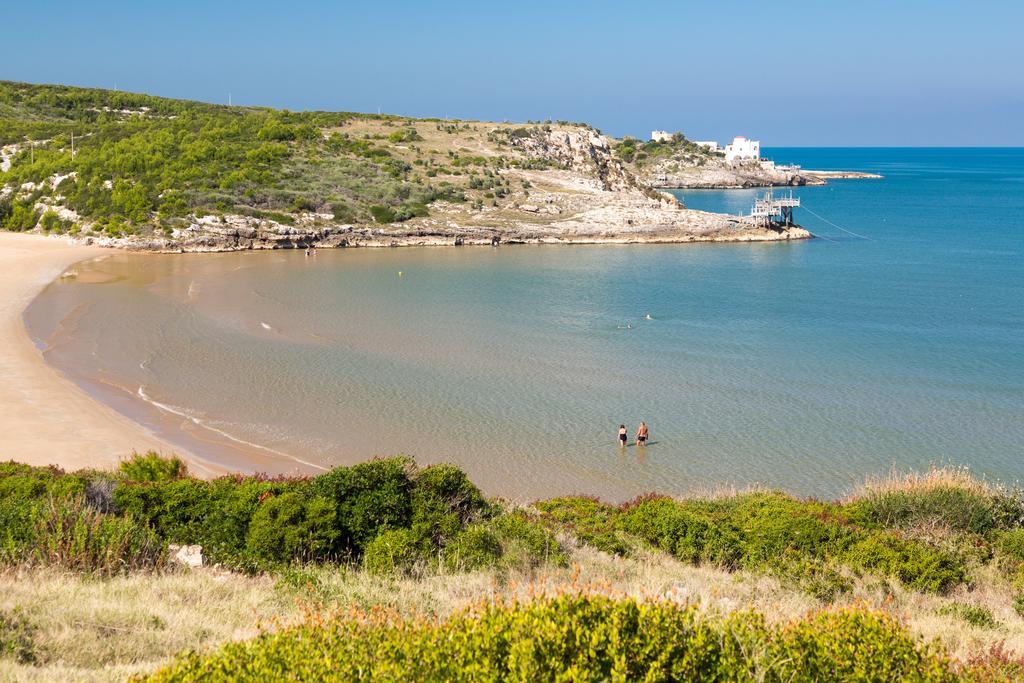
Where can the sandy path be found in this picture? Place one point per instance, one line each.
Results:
(44, 417)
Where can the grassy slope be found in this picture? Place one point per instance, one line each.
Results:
(76, 627)
(145, 163)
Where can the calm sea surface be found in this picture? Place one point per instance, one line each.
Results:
(804, 366)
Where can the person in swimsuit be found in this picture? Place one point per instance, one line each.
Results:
(623, 436)
(641, 434)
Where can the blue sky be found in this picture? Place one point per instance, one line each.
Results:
(790, 73)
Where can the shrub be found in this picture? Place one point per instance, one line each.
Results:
(396, 551)
(589, 520)
(819, 578)
(17, 528)
(17, 637)
(214, 514)
(152, 467)
(975, 615)
(525, 542)
(947, 497)
(382, 214)
(1010, 546)
(404, 135)
(443, 501)
(915, 564)
(477, 547)
(853, 645)
(774, 524)
(25, 483)
(20, 217)
(950, 507)
(342, 212)
(99, 493)
(71, 535)
(579, 639)
(369, 498)
(684, 533)
(1018, 604)
(292, 527)
(790, 537)
(50, 221)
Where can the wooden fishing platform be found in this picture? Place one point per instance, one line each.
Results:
(770, 210)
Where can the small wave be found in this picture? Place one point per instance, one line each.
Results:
(180, 412)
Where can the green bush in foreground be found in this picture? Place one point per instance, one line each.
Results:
(580, 639)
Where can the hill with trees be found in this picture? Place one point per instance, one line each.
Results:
(151, 172)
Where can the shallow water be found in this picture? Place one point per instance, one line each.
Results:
(804, 366)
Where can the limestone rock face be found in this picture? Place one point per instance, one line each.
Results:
(583, 151)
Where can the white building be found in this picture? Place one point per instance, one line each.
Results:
(661, 136)
(742, 149)
(708, 144)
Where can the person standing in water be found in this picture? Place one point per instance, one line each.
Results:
(641, 434)
(623, 436)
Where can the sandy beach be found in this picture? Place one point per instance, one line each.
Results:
(45, 419)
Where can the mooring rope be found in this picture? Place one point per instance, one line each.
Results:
(851, 232)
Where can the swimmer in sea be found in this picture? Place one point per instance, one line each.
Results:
(641, 434)
(623, 436)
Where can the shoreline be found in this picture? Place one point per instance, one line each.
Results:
(242, 234)
(51, 417)
(45, 418)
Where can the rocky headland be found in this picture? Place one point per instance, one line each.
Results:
(716, 173)
(148, 173)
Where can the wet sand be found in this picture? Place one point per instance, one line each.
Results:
(45, 419)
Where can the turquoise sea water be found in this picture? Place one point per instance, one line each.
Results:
(804, 366)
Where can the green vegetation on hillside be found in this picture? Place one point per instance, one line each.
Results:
(143, 163)
(386, 514)
(393, 517)
(645, 153)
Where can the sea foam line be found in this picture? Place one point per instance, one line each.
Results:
(195, 420)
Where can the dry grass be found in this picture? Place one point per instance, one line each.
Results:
(103, 630)
(937, 477)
